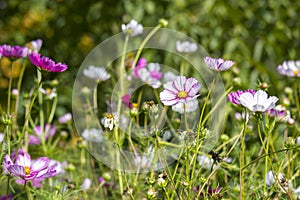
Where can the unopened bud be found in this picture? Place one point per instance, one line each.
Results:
(163, 22)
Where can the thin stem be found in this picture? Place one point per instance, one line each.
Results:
(242, 158)
(297, 98)
(144, 43)
(19, 86)
(9, 88)
(7, 186)
(8, 136)
(95, 106)
(41, 111)
(52, 112)
(181, 68)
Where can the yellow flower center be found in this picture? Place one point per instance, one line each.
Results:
(48, 91)
(296, 72)
(27, 170)
(134, 105)
(182, 94)
(109, 116)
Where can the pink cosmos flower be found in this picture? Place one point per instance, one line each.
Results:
(233, 97)
(151, 75)
(46, 63)
(126, 100)
(181, 90)
(49, 131)
(54, 168)
(218, 64)
(142, 63)
(65, 118)
(8, 197)
(28, 169)
(13, 52)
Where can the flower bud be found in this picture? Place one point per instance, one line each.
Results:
(263, 86)
(15, 92)
(288, 90)
(86, 91)
(237, 81)
(134, 111)
(224, 138)
(161, 182)
(151, 193)
(163, 22)
(106, 176)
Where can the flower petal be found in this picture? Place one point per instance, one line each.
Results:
(40, 164)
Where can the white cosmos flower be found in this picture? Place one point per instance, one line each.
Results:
(93, 135)
(1, 137)
(133, 28)
(50, 93)
(187, 107)
(205, 161)
(259, 102)
(270, 179)
(97, 73)
(186, 47)
(86, 184)
(110, 120)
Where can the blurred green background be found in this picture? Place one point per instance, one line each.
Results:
(257, 35)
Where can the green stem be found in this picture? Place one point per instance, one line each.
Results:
(52, 112)
(29, 196)
(8, 136)
(95, 106)
(19, 86)
(7, 186)
(144, 43)
(41, 111)
(242, 157)
(9, 88)
(297, 98)
(181, 68)
(266, 153)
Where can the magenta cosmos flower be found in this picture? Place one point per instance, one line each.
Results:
(28, 169)
(181, 90)
(46, 63)
(218, 64)
(13, 52)
(233, 97)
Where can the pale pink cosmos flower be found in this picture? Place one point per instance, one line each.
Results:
(290, 68)
(34, 45)
(186, 47)
(65, 118)
(133, 28)
(259, 102)
(218, 64)
(181, 90)
(97, 73)
(49, 131)
(46, 63)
